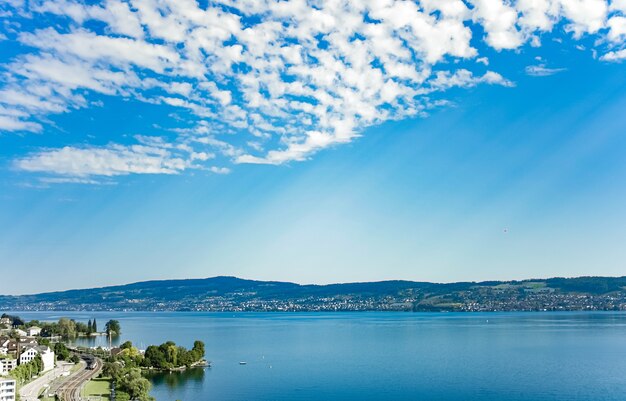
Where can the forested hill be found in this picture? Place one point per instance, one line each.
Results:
(234, 294)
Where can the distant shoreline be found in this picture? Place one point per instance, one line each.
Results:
(231, 294)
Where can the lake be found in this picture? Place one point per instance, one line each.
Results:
(385, 355)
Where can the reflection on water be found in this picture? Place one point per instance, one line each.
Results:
(175, 380)
(97, 341)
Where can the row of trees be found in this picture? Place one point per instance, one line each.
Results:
(169, 356)
(66, 328)
(26, 371)
(165, 356)
(92, 326)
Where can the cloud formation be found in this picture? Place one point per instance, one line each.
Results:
(285, 78)
(540, 70)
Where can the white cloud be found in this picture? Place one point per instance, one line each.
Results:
(220, 170)
(541, 70)
(614, 55)
(72, 180)
(268, 81)
(112, 160)
(617, 29)
(586, 16)
(499, 21)
(465, 79)
(11, 123)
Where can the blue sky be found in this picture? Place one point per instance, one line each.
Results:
(314, 142)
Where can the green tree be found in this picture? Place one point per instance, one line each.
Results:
(198, 348)
(94, 325)
(25, 372)
(61, 351)
(113, 328)
(82, 328)
(137, 386)
(114, 370)
(67, 328)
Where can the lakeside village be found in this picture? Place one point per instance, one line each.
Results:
(39, 362)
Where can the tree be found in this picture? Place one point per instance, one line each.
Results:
(94, 326)
(89, 327)
(67, 328)
(136, 385)
(113, 328)
(61, 351)
(198, 348)
(26, 371)
(114, 370)
(82, 327)
(154, 357)
(126, 345)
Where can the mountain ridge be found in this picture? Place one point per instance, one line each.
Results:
(229, 293)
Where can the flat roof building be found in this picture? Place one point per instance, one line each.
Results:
(7, 390)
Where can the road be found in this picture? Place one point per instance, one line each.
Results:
(70, 390)
(30, 391)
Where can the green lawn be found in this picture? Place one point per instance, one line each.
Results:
(97, 388)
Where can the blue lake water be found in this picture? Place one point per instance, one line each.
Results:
(386, 356)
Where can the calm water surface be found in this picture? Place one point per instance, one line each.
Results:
(386, 356)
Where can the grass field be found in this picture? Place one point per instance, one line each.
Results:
(97, 389)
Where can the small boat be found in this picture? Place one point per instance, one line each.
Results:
(243, 363)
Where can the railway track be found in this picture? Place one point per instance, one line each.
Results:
(70, 391)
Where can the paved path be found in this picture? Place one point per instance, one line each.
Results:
(30, 391)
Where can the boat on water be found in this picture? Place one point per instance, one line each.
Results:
(243, 363)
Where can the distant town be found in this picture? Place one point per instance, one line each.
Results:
(233, 294)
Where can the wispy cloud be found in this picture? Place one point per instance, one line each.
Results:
(541, 70)
(282, 79)
(108, 161)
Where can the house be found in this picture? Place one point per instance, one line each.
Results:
(8, 390)
(7, 345)
(27, 342)
(7, 365)
(47, 356)
(33, 331)
(5, 321)
(21, 332)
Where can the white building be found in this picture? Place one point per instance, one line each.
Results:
(47, 356)
(33, 331)
(7, 390)
(21, 332)
(7, 365)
